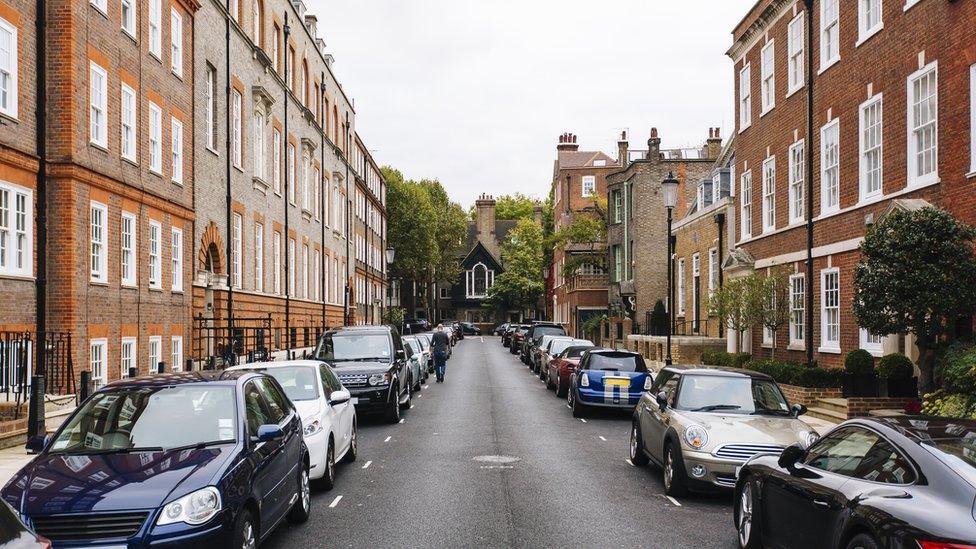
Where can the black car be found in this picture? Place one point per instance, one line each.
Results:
(468, 328)
(416, 325)
(508, 334)
(899, 482)
(371, 362)
(500, 329)
(534, 336)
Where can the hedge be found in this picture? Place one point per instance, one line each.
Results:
(957, 369)
(951, 405)
(792, 373)
(713, 357)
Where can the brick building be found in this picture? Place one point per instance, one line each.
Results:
(893, 128)
(637, 227)
(578, 179)
(280, 243)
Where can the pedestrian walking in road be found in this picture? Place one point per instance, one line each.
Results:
(441, 343)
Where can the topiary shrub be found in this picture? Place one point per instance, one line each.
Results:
(792, 373)
(958, 369)
(896, 366)
(859, 362)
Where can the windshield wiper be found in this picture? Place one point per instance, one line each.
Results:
(714, 407)
(96, 451)
(200, 445)
(771, 413)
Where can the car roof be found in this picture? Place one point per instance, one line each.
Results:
(170, 379)
(275, 364)
(361, 329)
(919, 428)
(698, 369)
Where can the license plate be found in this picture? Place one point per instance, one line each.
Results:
(617, 382)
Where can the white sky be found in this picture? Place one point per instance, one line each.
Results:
(476, 93)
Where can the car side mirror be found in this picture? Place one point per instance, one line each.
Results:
(36, 444)
(799, 410)
(662, 400)
(401, 354)
(791, 456)
(339, 397)
(269, 432)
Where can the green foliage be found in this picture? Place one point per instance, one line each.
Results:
(792, 373)
(521, 285)
(917, 273)
(774, 301)
(591, 327)
(409, 214)
(896, 366)
(739, 304)
(587, 232)
(713, 357)
(511, 206)
(859, 362)
(952, 405)
(394, 316)
(957, 369)
(659, 319)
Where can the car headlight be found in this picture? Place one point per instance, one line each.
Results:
(696, 436)
(314, 427)
(647, 383)
(807, 438)
(584, 380)
(379, 379)
(194, 508)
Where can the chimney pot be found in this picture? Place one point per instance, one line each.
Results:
(653, 132)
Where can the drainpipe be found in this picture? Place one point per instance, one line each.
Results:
(345, 159)
(35, 425)
(720, 221)
(322, 192)
(287, 240)
(808, 148)
(227, 189)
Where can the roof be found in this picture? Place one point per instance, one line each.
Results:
(502, 227)
(274, 364)
(698, 369)
(224, 377)
(582, 159)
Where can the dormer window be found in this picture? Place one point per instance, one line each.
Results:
(600, 163)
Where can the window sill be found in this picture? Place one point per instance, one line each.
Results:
(9, 117)
(11, 276)
(874, 351)
(176, 291)
(153, 171)
(796, 347)
(767, 111)
(238, 168)
(99, 146)
(178, 75)
(177, 183)
(909, 4)
(259, 185)
(829, 350)
(213, 150)
(156, 289)
(746, 127)
(824, 65)
(869, 34)
(789, 93)
(130, 161)
(927, 181)
(767, 345)
(971, 174)
(101, 283)
(129, 286)
(306, 215)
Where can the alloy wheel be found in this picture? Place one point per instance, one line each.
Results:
(633, 443)
(745, 515)
(668, 469)
(247, 536)
(306, 491)
(330, 463)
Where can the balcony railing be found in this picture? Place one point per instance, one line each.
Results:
(588, 282)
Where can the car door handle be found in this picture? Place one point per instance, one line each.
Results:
(821, 504)
(648, 409)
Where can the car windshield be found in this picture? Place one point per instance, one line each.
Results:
(617, 362)
(959, 454)
(151, 418)
(540, 331)
(560, 345)
(350, 346)
(737, 395)
(297, 381)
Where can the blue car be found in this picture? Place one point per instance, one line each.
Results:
(196, 459)
(608, 378)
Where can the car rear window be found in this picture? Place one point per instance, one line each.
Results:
(576, 352)
(617, 362)
(959, 454)
(540, 331)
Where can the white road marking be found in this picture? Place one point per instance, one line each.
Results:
(402, 420)
(335, 502)
(583, 420)
(631, 463)
(368, 463)
(603, 439)
(671, 499)
(418, 396)
(387, 439)
(426, 386)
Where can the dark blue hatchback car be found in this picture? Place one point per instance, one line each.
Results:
(197, 459)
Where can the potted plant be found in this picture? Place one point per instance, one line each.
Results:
(860, 379)
(897, 374)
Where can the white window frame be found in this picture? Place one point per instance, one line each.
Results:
(100, 5)
(176, 141)
(128, 122)
(128, 351)
(16, 230)
(316, 276)
(176, 247)
(276, 261)
(155, 139)
(237, 128)
(769, 194)
(128, 23)
(237, 250)
(797, 316)
(865, 29)
(155, 353)
(713, 270)
(176, 42)
(98, 238)
(98, 360)
(156, 28)
(292, 270)
(306, 187)
(871, 343)
(915, 180)
(745, 97)
(829, 34)
(291, 175)
(128, 262)
(767, 77)
(864, 153)
(470, 281)
(176, 353)
(833, 127)
(98, 105)
(9, 70)
(304, 271)
(680, 290)
(155, 254)
(588, 187)
(276, 161)
(829, 345)
(797, 181)
(211, 108)
(795, 60)
(745, 199)
(259, 151)
(258, 256)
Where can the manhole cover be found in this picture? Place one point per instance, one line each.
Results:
(497, 459)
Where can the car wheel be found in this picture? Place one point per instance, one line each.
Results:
(675, 480)
(560, 391)
(353, 450)
(393, 412)
(549, 384)
(327, 482)
(406, 405)
(245, 531)
(747, 516)
(863, 541)
(637, 455)
(579, 410)
(302, 508)
(417, 387)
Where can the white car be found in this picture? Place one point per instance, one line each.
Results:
(326, 408)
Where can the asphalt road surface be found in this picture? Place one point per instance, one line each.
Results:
(435, 481)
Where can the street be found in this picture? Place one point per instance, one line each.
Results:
(491, 458)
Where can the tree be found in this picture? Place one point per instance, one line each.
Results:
(512, 206)
(773, 304)
(735, 304)
(917, 274)
(587, 231)
(521, 284)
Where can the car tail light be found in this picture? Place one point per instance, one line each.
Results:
(943, 545)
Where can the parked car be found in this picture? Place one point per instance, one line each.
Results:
(518, 337)
(194, 459)
(468, 328)
(509, 334)
(534, 335)
(500, 329)
(328, 415)
(372, 364)
(555, 349)
(14, 534)
(562, 367)
(416, 325)
(607, 378)
(702, 424)
(416, 361)
(426, 340)
(540, 350)
(907, 481)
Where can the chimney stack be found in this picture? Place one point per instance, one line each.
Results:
(622, 147)
(714, 143)
(654, 146)
(485, 221)
(537, 214)
(567, 142)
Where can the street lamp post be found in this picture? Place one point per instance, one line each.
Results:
(670, 186)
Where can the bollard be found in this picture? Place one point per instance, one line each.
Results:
(133, 371)
(189, 365)
(84, 390)
(161, 368)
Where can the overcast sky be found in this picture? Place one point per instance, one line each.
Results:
(476, 93)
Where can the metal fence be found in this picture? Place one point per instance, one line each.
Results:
(217, 344)
(18, 357)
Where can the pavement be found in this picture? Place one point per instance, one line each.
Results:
(11, 461)
(490, 458)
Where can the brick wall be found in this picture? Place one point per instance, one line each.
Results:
(808, 396)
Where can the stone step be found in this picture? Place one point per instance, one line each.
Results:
(836, 404)
(825, 414)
